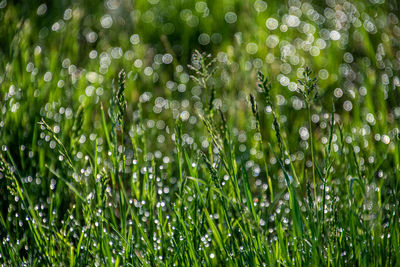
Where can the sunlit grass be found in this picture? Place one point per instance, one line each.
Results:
(122, 144)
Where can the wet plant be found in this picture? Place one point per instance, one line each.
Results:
(308, 88)
(162, 133)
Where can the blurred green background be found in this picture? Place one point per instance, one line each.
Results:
(57, 55)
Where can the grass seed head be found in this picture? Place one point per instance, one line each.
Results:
(265, 87)
(7, 172)
(308, 86)
(120, 99)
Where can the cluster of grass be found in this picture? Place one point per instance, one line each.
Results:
(121, 144)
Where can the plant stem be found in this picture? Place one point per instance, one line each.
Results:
(312, 151)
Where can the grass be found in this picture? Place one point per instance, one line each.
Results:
(122, 143)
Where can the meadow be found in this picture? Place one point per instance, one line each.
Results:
(200, 133)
